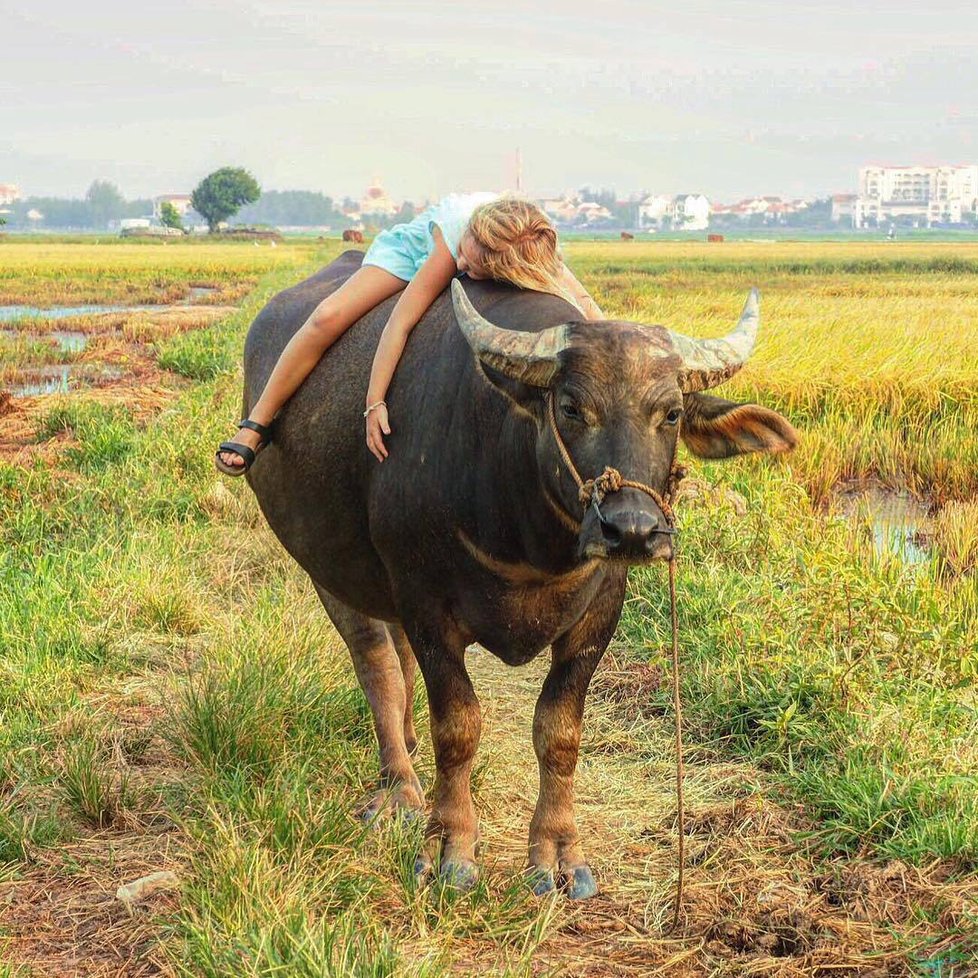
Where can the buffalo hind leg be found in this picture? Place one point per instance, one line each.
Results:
(555, 853)
(408, 668)
(379, 671)
(456, 722)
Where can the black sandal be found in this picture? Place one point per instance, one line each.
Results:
(248, 455)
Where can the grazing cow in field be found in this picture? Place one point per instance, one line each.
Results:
(473, 530)
(352, 235)
(627, 236)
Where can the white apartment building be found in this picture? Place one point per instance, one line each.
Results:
(925, 194)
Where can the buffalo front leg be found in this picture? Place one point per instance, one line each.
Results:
(379, 671)
(555, 853)
(456, 722)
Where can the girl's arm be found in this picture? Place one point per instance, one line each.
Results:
(590, 308)
(431, 280)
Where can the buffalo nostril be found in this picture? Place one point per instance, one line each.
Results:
(611, 534)
(659, 545)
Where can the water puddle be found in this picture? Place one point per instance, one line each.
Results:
(61, 379)
(9, 314)
(67, 340)
(70, 378)
(196, 292)
(901, 523)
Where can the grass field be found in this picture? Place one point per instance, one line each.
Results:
(172, 697)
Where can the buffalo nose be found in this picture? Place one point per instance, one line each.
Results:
(636, 535)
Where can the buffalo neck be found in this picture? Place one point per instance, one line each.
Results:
(522, 516)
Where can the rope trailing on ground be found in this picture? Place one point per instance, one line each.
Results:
(677, 710)
(593, 492)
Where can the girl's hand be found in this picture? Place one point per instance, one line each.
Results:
(377, 427)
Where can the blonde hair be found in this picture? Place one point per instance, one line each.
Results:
(516, 242)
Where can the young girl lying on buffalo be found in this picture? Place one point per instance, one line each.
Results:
(484, 235)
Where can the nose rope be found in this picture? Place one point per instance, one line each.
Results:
(592, 493)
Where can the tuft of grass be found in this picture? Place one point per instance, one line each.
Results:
(249, 713)
(200, 355)
(955, 536)
(346, 947)
(105, 432)
(93, 787)
(22, 832)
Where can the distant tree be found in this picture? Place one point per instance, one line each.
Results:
(140, 207)
(818, 214)
(105, 203)
(58, 212)
(223, 193)
(3, 220)
(170, 216)
(292, 208)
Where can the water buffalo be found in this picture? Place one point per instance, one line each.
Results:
(472, 530)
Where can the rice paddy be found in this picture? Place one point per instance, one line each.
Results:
(172, 697)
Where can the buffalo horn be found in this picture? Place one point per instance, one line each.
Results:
(707, 363)
(529, 357)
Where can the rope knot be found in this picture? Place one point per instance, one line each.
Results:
(678, 473)
(608, 482)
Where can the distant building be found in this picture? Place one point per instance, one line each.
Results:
(681, 212)
(9, 193)
(766, 210)
(589, 212)
(181, 202)
(375, 204)
(560, 210)
(572, 210)
(921, 195)
(843, 207)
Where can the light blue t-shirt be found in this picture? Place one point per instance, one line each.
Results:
(403, 249)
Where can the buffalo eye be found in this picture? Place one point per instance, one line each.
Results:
(673, 416)
(571, 410)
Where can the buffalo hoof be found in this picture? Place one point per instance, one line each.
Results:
(423, 868)
(541, 880)
(461, 875)
(404, 802)
(579, 884)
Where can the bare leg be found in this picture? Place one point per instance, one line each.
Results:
(379, 672)
(366, 288)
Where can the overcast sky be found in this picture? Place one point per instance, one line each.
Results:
(728, 98)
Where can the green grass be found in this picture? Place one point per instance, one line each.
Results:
(161, 658)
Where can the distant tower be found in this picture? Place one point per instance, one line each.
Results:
(519, 170)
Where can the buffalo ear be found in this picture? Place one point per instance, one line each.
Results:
(715, 428)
